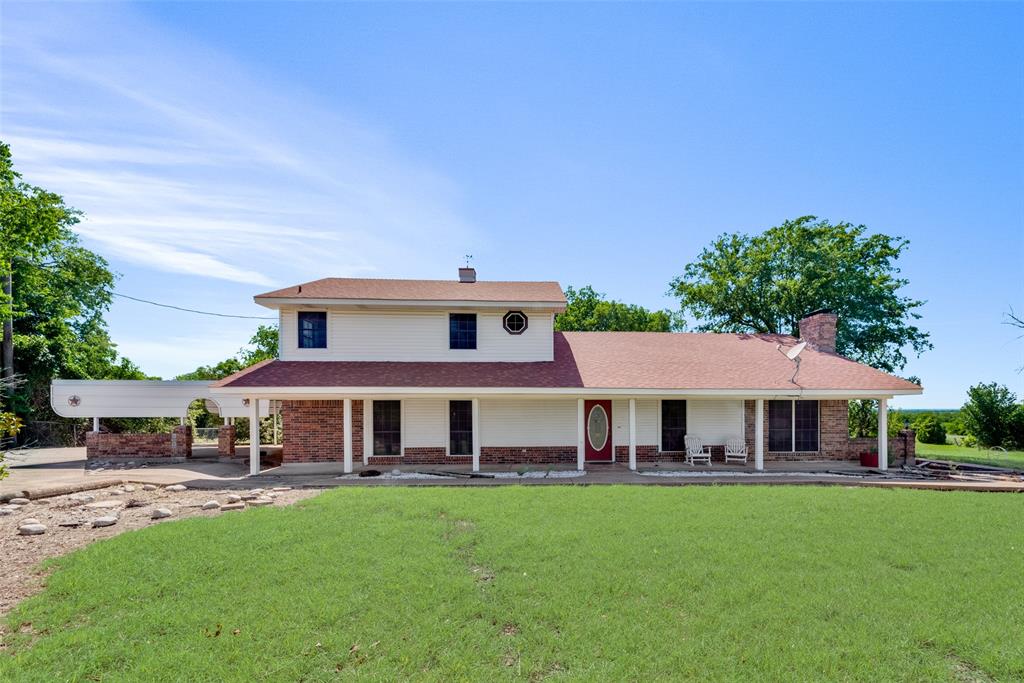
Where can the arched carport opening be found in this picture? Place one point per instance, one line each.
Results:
(203, 416)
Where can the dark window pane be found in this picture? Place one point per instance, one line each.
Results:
(460, 427)
(312, 330)
(780, 425)
(673, 425)
(462, 330)
(806, 426)
(387, 427)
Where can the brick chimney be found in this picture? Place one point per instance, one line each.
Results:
(818, 329)
(467, 274)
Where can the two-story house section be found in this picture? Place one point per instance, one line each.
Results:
(392, 372)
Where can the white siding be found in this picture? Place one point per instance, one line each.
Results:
(714, 421)
(528, 422)
(425, 421)
(647, 418)
(418, 335)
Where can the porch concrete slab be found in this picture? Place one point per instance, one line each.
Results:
(52, 467)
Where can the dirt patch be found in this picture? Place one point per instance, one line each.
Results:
(68, 520)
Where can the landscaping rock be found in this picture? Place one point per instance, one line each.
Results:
(83, 498)
(104, 505)
(149, 487)
(160, 513)
(129, 488)
(117, 492)
(30, 520)
(104, 521)
(18, 501)
(234, 498)
(7, 510)
(177, 487)
(31, 529)
(261, 501)
(281, 488)
(211, 505)
(232, 506)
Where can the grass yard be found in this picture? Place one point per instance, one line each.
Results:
(1013, 459)
(516, 582)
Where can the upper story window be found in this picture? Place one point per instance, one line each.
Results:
(312, 330)
(515, 322)
(462, 330)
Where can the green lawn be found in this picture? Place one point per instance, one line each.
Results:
(516, 582)
(1013, 459)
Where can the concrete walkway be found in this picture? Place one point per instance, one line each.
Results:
(45, 468)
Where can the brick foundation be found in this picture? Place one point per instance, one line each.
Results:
(314, 431)
(175, 444)
(226, 441)
(511, 455)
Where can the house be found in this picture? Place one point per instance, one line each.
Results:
(390, 372)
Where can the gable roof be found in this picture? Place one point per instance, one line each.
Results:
(376, 289)
(603, 360)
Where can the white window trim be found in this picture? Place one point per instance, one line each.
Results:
(792, 425)
(327, 331)
(368, 428)
(448, 429)
(448, 324)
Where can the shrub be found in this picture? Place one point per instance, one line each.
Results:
(930, 430)
(989, 414)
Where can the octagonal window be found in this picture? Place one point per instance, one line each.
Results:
(515, 322)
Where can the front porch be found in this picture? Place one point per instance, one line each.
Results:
(507, 433)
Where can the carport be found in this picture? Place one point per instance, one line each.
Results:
(98, 399)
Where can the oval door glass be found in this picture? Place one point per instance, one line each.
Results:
(597, 428)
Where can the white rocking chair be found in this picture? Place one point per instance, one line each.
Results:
(696, 450)
(735, 450)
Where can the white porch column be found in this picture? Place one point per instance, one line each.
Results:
(476, 435)
(367, 431)
(254, 436)
(272, 409)
(95, 424)
(348, 435)
(226, 422)
(759, 434)
(580, 427)
(181, 421)
(883, 434)
(632, 434)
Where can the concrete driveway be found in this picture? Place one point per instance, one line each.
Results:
(50, 467)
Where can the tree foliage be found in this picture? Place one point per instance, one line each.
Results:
(768, 282)
(590, 311)
(59, 294)
(262, 346)
(993, 417)
(930, 430)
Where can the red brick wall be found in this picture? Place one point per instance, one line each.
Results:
(819, 330)
(644, 454)
(226, 441)
(422, 455)
(899, 447)
(502, 455)
(314, 431)
(833, 433)
(175, 444)
(357, 430)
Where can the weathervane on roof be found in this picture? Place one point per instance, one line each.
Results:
(469, 257)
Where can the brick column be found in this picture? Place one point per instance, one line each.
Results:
(226, 441)
(181, 442)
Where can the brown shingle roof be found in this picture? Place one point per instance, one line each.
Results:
(421, 290)
(601, 360)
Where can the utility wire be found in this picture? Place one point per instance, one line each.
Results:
(192, 310)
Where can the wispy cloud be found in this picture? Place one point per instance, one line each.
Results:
(186, 163)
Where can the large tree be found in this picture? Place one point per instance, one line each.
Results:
(31, 220)
(56, 293)
(768, 282)
(590, 311)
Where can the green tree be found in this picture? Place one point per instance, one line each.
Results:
(930, 430)
(590, 311)
(768, 282)
(31, 221)
(990, 415)
(57, 293)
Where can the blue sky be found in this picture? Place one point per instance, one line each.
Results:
(223, 149)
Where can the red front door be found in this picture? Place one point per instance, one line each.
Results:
(597, 416)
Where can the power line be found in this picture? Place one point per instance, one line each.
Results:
(192, 310)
